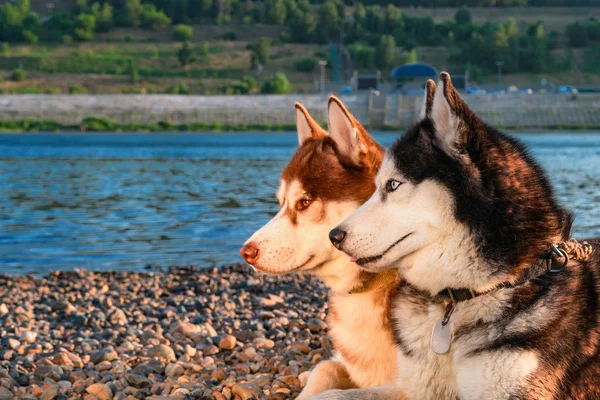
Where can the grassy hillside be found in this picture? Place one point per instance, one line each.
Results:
(134, 60)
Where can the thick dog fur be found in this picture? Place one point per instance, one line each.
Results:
(329, 176)
(460, 205)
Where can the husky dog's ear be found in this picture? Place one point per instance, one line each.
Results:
(344, 130)
(428, 99)
(307, 127)
(447, 112)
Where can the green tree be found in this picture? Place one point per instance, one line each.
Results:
(186, 54)
(512, 29)
(500, 37)
(279, 84)
(301, 27)
(409, 56)
(183, 32)
(375, 20)
(385, 53)
(261, 50)
(592, 27)
(540, 32)
(276, 11)
(85, 27)
(393, 19)
(80, 7)
(363, 55)
(18, 23)
(360, 18)
(201, 8)
(463, 16)
(328, 21)
(152, 18)
(131, 13)
(577, 35)
(104, 16)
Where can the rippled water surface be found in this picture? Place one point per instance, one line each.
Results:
(129, 201)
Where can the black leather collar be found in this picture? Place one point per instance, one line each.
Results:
(552, 262)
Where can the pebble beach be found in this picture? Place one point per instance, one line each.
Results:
(189, 333)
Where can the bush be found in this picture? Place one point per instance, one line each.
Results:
(409, 56)
(30, 37)
(279, 84)
(128, 38)
(76, 89)
(66, 39)
(237, 87)
(183, 32)
(306, 65)
(134, 74)
(180, 88)
(247, 85)
(229, 36)
(204, 49)
(4, 49)
(18, 75)
(251, 83)
(98, 124)
(591, 60)
(362, 55)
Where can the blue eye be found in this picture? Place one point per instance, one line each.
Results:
(392, 185)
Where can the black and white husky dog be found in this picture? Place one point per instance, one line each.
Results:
(469, 219)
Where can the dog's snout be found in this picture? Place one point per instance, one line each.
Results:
(337, 236)
(249, 252)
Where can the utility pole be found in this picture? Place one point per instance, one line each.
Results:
(322, 63)
(499, 64)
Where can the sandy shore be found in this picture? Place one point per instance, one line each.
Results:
(189, 333)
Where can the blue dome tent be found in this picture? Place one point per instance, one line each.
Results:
(416, 70)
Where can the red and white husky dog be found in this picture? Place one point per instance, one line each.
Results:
(329, 176)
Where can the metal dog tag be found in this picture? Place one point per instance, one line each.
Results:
(441, 337)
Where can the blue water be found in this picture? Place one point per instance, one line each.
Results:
(136, 201)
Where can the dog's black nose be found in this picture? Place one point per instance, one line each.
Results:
(337, 236)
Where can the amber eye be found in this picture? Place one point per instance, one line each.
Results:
(303, 204)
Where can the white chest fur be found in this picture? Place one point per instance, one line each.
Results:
(461, 373)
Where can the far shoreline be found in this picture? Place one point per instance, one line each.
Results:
(105, 126)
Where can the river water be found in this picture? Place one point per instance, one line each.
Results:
(144, 201)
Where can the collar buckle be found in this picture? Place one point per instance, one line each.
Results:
(561, 253)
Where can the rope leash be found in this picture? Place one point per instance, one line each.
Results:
(575, 250)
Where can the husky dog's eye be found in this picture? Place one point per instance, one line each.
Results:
(303, 204)
(392, 185)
